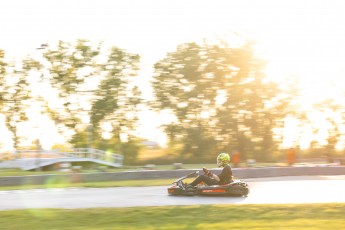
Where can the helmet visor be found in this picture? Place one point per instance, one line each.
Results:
(219, 162)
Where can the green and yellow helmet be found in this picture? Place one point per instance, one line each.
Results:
(223, 159)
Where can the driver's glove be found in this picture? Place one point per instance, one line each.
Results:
(207, 172)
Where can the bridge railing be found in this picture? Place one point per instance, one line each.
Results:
(24, 154)
(84, 153)
(95, 154)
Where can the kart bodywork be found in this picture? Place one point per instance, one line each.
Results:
(234, 188)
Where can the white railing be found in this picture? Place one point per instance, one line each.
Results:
(95, 154)
(82, 154)
(25, 154)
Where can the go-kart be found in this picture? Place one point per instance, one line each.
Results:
(234, 188)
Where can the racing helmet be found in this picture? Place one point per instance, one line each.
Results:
(223, 159)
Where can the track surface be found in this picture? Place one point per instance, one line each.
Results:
(282, 190)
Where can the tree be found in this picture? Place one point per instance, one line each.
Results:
(14, 96)
(219, 92)
(3, 65)
(93, 86)
(329, 121)
(117, 99)
(70, 67)
(63, 72)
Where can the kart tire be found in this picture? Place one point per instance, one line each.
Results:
(239, 191)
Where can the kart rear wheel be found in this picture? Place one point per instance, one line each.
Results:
(246, 192)
(239, 191)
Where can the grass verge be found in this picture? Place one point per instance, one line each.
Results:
(105, 184)
(18, 172)
(254, 217)
(60, 183)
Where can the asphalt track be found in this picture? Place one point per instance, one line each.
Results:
(280, 190)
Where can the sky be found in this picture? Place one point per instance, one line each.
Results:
(300, 39)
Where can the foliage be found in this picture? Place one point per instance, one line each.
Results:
(219, 96)
(130, 150)
(94, 88)
(116, 97)
(2, 76)
(14, 95)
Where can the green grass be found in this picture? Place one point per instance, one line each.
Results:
(105, 184)
(66, 184)
(18, 172)
(62, 183)
(254, 217)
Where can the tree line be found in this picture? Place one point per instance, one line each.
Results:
(220, 96)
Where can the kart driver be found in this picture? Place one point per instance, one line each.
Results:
(209, 178)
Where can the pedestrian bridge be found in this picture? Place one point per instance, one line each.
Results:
(33, 159)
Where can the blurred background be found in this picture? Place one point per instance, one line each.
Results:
(160, 82)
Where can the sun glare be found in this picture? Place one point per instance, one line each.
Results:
(301, 41)
(307, 48)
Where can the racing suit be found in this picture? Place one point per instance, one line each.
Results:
(225, 177)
